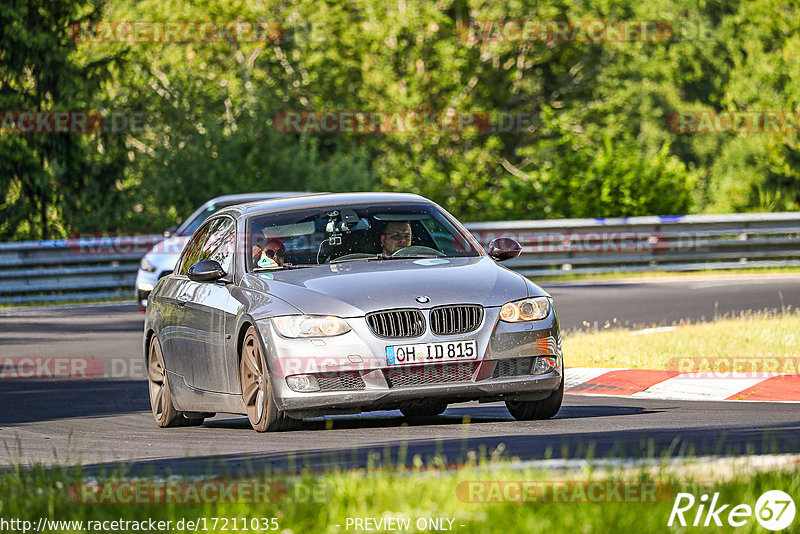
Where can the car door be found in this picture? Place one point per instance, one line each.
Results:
(208, 310)
(174, 333)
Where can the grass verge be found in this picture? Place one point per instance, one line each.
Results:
(567, 276)
(467, 500)
(739, 343)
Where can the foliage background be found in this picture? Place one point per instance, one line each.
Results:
(594, 141)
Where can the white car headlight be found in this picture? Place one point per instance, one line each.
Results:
(310, 326)
(146, 266)
(531, 309)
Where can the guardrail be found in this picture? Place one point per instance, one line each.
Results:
(91, 268)
(96, 268)
(653, 243)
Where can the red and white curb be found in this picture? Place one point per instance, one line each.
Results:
(651, 384)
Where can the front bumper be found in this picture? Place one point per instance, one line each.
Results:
(507, 355)
(521, 388)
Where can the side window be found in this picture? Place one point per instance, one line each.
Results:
(214, 241)
(192, 251)
(220, 243)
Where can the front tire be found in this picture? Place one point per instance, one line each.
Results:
(259, 403)
(540, 409)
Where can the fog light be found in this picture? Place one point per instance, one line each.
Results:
(302, 383)
(544, 365)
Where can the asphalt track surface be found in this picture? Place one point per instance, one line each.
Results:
(101, 423)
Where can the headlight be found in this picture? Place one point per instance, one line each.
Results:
(146, 266)
(310, 326)
(530, 309)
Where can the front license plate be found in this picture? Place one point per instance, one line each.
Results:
(448, 351)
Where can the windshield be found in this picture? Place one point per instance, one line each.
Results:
(353, 233)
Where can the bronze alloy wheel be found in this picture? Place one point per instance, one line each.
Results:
(164, 412)
(259, 403)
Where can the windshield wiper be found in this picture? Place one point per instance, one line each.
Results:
(347, 260)
(365, 257)
(401, 257)
(381, 256)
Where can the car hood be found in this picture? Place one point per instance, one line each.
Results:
(356, 288)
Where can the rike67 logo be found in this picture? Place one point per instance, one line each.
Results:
(774, 510)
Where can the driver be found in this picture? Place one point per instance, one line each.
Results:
(395, 235)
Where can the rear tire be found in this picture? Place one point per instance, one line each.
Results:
(424, 408)
(164, 412)
(535, 410)
(259, 403)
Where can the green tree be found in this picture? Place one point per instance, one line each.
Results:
(46, 177)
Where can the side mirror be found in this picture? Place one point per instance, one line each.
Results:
(205, 271)
(504, 248)
(169, 231)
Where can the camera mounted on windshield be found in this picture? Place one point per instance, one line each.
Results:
(343, 221)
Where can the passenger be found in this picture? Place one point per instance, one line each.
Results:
(273, 252)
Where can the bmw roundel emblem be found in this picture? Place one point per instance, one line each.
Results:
(423, 300)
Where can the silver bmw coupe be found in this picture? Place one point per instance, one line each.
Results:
(341, 303)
